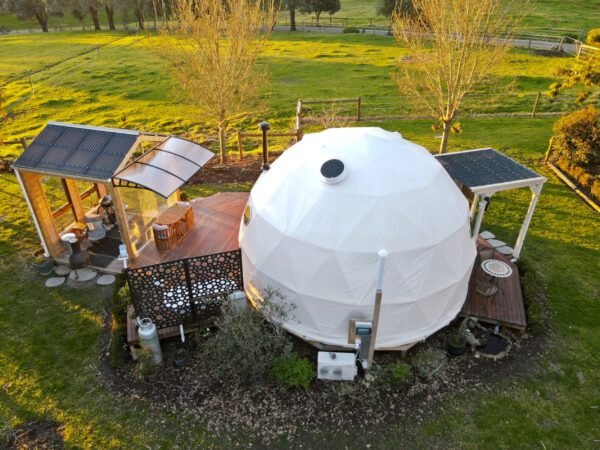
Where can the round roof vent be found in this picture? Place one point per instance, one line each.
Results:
(333, 171)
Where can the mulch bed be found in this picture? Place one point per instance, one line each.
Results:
(237, 170)
(34, 435)
(267, 413)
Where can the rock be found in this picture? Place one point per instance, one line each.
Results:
(105, 280)
(61, 270)
(55, 282)
(82, 275)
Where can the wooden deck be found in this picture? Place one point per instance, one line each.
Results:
(217, 223)
(505, 307)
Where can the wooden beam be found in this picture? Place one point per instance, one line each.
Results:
(42, 213)
(122, 220)
(74, 199)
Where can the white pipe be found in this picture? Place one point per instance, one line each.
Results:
(379, 283)
(35, 220)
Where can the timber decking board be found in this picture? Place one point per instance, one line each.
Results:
(216, 230)
(506, 307)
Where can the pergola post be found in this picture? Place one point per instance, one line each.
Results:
(482, 205)
(473, 207)
(535, 189)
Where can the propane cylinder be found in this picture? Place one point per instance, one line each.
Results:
(149, 338)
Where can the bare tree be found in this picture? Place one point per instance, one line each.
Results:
(79, 8)
(109, 7)
(38, 10)
(214, 52)
(454, 46)
(138, 7)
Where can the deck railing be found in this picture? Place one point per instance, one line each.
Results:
(186, 290)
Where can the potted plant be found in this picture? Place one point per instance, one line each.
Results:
(43, 264)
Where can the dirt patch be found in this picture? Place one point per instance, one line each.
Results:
(34, 435)
(246, 169)
(268, 413)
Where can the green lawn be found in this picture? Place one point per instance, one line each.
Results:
(571, 14)
(127, 85)
(52, 340)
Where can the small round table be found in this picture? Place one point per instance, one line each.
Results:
(494, 269)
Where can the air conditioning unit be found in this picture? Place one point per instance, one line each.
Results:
(336, 366)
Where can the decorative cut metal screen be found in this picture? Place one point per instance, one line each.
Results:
(186, 290)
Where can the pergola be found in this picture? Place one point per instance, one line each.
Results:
(103, 160)
(486, 171)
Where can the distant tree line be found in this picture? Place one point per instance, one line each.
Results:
(40, 11)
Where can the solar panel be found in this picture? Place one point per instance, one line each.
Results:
(75, 150)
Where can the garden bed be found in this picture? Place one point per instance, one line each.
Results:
(267, 413)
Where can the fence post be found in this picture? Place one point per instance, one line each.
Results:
(24, 143)
(560, 44)
(535, 105)
(299, 115)
(239, 144)
(298, 135)
(358, 102)
(31, 82)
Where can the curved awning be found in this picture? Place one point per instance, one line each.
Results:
(165, 168)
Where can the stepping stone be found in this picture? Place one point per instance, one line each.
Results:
(82, 275)
(55, 282)
(62, 270)
(505, 250)
(105, 280)
(495, 243)
(487, 235)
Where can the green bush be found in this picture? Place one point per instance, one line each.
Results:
(400, 372)
(593, 37)
(348, 30)
(577, 137)
(293, 371)
(245, 347)
(118, 331)
(534, 297)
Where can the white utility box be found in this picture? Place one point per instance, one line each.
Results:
(336, 366)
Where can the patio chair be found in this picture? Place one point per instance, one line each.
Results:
(95, 228)
(165, 237)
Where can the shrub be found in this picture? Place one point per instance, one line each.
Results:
(293, 371)
(118, 331)
(245, 347)
(593, 37)
(596, 189)
(399, 372)
(534, 297)
(577, 137)
(350, 30)
(429, 361)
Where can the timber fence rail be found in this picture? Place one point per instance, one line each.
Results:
(379, 108)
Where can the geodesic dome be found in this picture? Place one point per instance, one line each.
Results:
(316, 220)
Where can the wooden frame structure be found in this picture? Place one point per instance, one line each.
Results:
(94, 155)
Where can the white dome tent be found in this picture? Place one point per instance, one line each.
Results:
(317, 219)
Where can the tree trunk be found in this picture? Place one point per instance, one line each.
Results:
(94, 14)
(222, 144)
(292, 6)
(445, 136)
(110, 15)
(43, 21)
(318, 14)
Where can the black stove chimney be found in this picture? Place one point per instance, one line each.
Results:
(265, 126)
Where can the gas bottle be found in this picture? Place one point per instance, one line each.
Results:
(149, 338)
